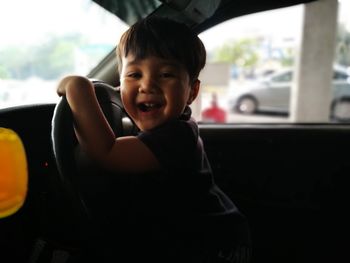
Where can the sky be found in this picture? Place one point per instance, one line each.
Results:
(260, 23)
(280, 23)
(27, 23)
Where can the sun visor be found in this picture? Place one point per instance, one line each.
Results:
(197, 14)
(194, 10)
(130, 11)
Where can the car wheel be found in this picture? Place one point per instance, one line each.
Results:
(247, 105)
(341, 109)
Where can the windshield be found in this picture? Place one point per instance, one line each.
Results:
(249, 72)
(41, 41)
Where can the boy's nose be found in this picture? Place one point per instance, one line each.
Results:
(148, 85)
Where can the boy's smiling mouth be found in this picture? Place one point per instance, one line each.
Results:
(148, 106)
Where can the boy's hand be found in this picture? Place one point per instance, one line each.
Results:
(61, 89)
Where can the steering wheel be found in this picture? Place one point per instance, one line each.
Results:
(82, 181)
(63, 136)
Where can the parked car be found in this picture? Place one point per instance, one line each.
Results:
(291, 180)
(272, 93)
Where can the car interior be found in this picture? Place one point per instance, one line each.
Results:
(290, 179)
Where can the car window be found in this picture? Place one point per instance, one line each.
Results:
(247, 53)
(40, 45)
(284, 77)
(340, 76)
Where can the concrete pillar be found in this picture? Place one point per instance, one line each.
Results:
(311, 91)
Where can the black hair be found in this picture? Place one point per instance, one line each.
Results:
(164, 38)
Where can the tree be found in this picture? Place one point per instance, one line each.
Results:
(54, 58)
(342, 54)
(3, 73)
(13, 60)
(49, 60)
(288, 58)
(241, 53)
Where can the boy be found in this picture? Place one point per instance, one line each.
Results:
(178, 214)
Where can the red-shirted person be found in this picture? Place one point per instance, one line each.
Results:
(214, 113)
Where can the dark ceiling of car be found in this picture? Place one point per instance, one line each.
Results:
(197, 12)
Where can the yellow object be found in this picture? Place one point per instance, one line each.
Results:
(13, 173)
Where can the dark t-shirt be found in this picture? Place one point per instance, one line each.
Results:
(175, 215)
(185, 190)
(186, 172)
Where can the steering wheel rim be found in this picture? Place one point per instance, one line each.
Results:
(65, 148)
(63, 137)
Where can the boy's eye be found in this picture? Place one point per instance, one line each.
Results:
(134, 75)
(167, 75)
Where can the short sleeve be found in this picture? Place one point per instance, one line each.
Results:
(174, 145)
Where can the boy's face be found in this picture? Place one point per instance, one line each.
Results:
(155, 90)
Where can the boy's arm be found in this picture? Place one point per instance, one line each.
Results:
(125, 154)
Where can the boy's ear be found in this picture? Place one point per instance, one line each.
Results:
(194, 91)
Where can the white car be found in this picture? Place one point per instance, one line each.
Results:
(272, 93)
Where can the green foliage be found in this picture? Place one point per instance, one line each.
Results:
(289, 57)
(241, 53)
(342, 55)
(50, 60)
(3, 73)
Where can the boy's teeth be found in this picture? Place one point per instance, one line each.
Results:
(147, 106)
